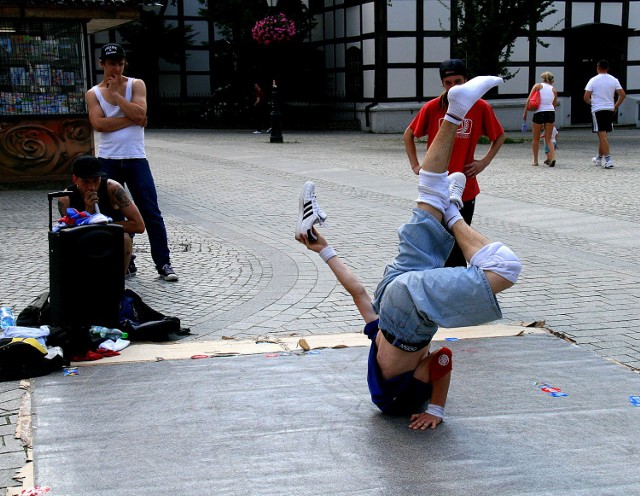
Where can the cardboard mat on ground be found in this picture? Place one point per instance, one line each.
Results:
(150, 352)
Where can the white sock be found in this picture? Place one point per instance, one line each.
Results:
(499, 259)
(433, 189)
(462, 97)
(451, 215)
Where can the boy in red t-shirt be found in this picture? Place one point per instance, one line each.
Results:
(479, 121)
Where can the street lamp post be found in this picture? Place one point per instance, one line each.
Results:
(276, 115)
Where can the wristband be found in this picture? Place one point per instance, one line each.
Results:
(435, 410)
(327, 252)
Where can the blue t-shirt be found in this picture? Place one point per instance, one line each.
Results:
(400, 394)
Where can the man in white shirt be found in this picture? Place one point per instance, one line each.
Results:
(600, 93)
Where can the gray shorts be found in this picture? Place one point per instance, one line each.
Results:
(418, 294)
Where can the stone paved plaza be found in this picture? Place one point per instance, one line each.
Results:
(230, 202)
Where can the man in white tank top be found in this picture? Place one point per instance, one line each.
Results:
(118, 112)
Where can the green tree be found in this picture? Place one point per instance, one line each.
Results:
(484, 32)
(149, 39)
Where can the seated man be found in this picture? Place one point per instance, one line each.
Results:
(89, 189)
(417, 293)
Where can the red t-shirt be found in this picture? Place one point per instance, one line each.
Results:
(479, 121)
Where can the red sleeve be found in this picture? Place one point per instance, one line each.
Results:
(490, 123)
(419, 123)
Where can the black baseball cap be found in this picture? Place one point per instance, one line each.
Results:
(87, 167)
(453, 67)
(112, 51)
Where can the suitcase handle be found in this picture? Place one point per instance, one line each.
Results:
(50, 197)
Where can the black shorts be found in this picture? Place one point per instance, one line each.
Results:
(544, 117)
(602, 120)
(412, 399)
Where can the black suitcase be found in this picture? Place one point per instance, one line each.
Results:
(86, 273)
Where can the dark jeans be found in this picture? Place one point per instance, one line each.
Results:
(456, 259)
(136, 175)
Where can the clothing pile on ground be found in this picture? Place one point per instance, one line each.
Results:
(30, 346)
(75, 218)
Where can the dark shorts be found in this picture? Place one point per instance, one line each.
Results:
(602, 120)
(411, 399)
(545, 117)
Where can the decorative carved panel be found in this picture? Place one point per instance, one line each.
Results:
(42, 149)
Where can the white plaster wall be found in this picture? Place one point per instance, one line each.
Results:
(317, 33)
(520, 50)
(166, 66)
(634, 15)
(519, 83)
(340, 83)
(401, 83)
(201, 31)
(633, 78)
(401, 50)
(339, 23)
(197, 60)
(192, 8)
(368, 18)
(340, 55)
(582, 13)
(329, 25)
(611, 13)
(170, 84)
(198, 85)
(368, 83)
(554, 52)
(432, 84)
(556, 20)
(353, 21)
(329, 57)
(436, 49)
(401, 15)
(368, 52)
(436, 16)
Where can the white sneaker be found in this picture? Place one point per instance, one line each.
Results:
(596, 161)
(457, 182)
(309, 212)
(608, 164)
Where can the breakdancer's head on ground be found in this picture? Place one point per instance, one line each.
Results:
(417, 294)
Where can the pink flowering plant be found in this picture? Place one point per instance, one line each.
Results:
(273, 29)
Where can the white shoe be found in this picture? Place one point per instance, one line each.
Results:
(309, 212)
(257, 132)
(608, 164)
(596, 161)
(457, 182)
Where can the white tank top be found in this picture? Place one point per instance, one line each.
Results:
(124, 143)
(546, 98)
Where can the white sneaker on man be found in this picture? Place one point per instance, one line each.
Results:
(457, 182)
(597, 161)
(309, 212)
(608, 164)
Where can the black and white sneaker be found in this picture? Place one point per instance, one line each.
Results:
(167, 273)
(309, 212)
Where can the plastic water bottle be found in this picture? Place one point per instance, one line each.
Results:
(524, 126)
(105, 332)
(7, 318)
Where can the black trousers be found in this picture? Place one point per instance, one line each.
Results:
(456, 259)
